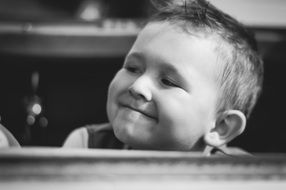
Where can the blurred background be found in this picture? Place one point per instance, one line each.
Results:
(57, 58)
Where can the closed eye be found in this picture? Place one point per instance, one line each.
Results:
(168, 82)
(133, 69)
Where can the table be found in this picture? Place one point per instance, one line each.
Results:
(57, 168)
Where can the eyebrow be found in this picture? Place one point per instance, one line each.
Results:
(136, 55)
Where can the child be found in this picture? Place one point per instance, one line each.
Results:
(188, 83)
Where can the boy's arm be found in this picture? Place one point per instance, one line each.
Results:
(7, 139)
(3, 140)
(77, 139)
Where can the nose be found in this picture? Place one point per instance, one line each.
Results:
(141, 89)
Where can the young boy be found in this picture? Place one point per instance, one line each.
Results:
(188, 83)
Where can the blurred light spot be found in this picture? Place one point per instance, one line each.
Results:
(37, 109)
(43, 122)
(91, 11)
(30, 120)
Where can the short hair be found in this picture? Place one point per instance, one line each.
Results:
(241, 77)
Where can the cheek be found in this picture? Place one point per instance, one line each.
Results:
(113, 91)
(118, 86)
(180, 124)
(183, 114)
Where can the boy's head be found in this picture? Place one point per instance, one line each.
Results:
(190, 80)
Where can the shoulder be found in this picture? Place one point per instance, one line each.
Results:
(102, 136)
(230, 151)
(98, 128)
(79, 138)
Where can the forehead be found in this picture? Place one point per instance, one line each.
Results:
(162, 42)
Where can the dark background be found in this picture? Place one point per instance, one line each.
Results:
(73, 84)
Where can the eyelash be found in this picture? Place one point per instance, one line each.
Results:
(168, 82)
(132, 69)
(164, 80)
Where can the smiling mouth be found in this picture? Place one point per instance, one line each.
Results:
(140, 111)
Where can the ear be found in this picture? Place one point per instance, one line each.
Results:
(229, 125)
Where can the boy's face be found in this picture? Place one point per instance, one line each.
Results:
(165, 95)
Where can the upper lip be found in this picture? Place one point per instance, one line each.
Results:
(138, 109)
